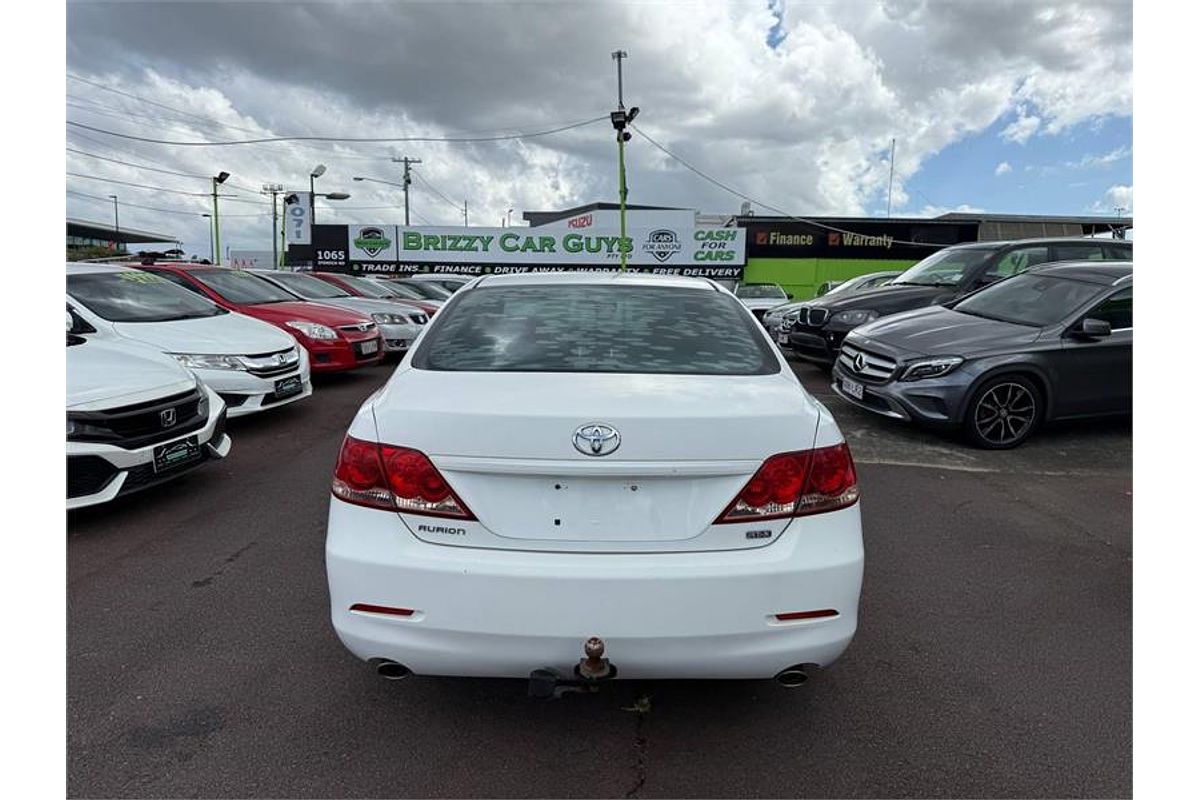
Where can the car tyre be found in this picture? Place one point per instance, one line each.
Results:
(1003, 413)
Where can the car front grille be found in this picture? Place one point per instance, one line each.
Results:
(812, 317)
(88, 475)
(361, 327)
(143, 424)
(866, 366)
(267, 364)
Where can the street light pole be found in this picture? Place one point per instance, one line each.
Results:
(211, 245)
(116, 224)
(274, 189)
(218, 179)
(317, 172)
(620, 118)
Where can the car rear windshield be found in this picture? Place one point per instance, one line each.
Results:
(945, 267)
(589, 328)
(757, 290)
(1030, 299)
(241, 287)
(136, 296)
(308, 286)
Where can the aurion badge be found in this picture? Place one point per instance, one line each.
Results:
(596, 440)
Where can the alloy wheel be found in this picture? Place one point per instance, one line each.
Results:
(1005, 414)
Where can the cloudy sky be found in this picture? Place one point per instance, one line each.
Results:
(998, 106)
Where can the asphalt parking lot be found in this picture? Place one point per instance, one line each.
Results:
(993, 656)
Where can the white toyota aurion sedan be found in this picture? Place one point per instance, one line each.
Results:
(575, 477)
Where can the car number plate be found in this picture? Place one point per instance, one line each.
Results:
(287, 387)
(852, 388)
(176, 454)
(369, 347)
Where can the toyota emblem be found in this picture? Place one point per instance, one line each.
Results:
(596, 439)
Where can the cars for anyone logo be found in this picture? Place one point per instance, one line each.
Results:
(662, 244)
(372, 241)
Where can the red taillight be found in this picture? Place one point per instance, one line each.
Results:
(394, 478)
(796, 484)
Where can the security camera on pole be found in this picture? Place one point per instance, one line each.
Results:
(620, 118)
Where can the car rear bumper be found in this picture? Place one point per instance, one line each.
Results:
(491, 613)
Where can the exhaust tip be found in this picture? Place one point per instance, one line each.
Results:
(793, 677)
(391, 670)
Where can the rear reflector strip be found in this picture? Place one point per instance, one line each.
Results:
(370, 609)
(793, 615)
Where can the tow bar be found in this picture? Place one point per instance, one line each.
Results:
(591, 671)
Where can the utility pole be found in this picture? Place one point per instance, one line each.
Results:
(1118, 232)
(891, 174)
(407, 162)
(466, 221)
(274, 189)
(620, 118)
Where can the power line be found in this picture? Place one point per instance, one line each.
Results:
(435, 190)
(362, 140)
(107, 200)
(106, 88)
(768, 206)
(138, 166)
(161, 188)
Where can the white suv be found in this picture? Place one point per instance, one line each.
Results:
(624, 457)
(135, 418)
(252, 364)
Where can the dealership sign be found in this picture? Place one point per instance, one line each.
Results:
(712, 252)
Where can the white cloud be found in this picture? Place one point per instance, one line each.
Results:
(1003, 168)
(1117, 196)
(804, 126)
(1023, 127)
(1103, 160)
(931, 210)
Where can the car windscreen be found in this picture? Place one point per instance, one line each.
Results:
(429, 291)
(241, 287)
(366, 287)
(944, 268)
(136, 296)
(1030, 299)
(757, 290)
(590, 328)
(307, 286)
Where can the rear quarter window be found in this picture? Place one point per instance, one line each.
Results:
(590, 328)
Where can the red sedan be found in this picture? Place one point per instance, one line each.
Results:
(361, 288)
(335, 338)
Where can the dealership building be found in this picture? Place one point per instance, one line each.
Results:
(82, 234)
(798, 254)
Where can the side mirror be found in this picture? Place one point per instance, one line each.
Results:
(70, 322)
(1091, 328)
(791, 297)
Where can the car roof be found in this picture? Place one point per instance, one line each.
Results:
(995, 245)
(594, 279)
(1102, 272)
(85, 268)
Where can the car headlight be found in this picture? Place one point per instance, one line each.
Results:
(389, 319)
(930, 368)
(208, 361)
(853, 317)
(77, 429)
(313, 330)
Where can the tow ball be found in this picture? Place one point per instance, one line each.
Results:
(591, 671)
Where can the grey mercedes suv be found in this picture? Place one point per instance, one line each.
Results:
(1051, 343)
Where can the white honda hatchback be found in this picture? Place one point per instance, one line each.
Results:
(621, 461)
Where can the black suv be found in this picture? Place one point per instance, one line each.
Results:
(820, 325)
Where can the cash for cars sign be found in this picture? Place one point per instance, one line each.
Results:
(708, 252)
